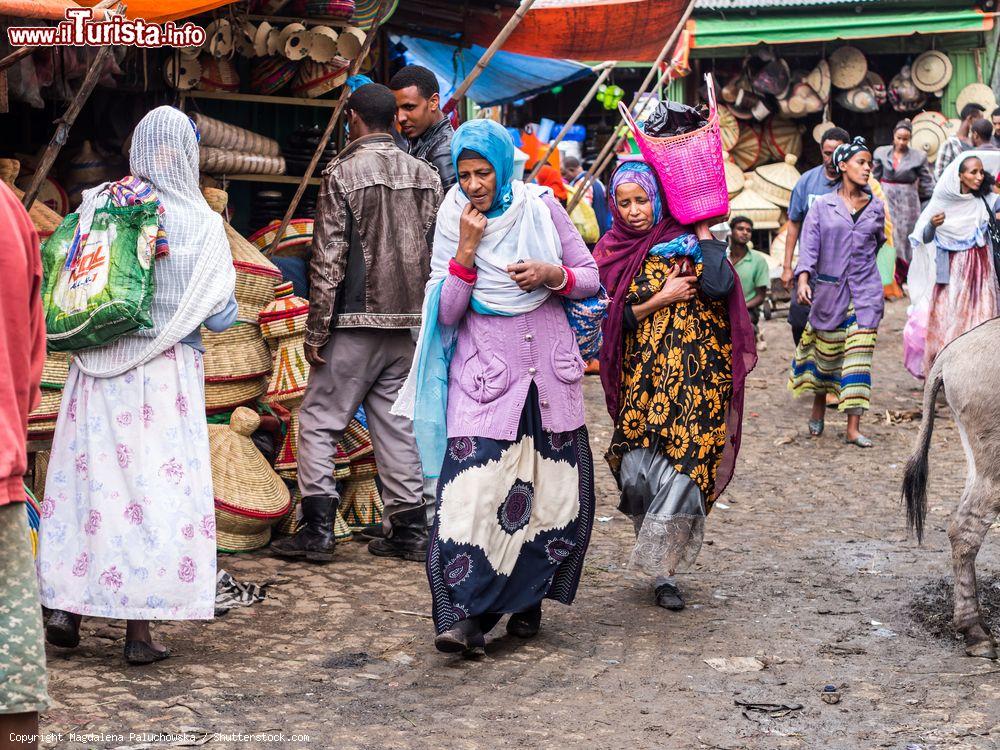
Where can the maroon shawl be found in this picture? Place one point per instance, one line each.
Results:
(619, 255)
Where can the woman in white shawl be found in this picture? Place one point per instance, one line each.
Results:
(128, 519)
(953, 279)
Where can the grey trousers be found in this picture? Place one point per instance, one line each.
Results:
(363, 366)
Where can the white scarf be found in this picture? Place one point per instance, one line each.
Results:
(196, 279)
(525, 231)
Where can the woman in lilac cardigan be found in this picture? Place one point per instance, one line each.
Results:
(495, 394)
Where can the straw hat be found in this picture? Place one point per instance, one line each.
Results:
(219, 38)
(226, 396)
(976, 93)
(729, 127)
(763, 213)
(748, 148)
(218, 75)
(46, 220)
(323, 44)
(271, 74)
(734, 176)
(776, 181)
(819, 80)
(350, 41)
(249, 496)
(847, 67)
(931, 72)
(781, 137)
(182, 73)
(260, 37)
(928, 136)
(283, 323)
(315, 79)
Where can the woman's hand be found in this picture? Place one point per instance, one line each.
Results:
(937, 219)
(531, 274)
(471, 226)
(676, 288)
(805, 291)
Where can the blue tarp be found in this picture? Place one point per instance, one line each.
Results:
(507, 78)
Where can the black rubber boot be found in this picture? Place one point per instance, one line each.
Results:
(407, 538)
(525, 624)
(314, 540)
(669, 597)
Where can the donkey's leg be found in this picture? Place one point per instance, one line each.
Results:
(967, 530)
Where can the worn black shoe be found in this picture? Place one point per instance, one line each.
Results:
(465, 638)
(314, 541)
(525, 624)
(669, 597)
(62, 630)
(414, 550)
(367, 533)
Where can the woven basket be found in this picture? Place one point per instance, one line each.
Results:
(226, 541)
(55, 370)
(365, 468)
(182, 73)
(288, 454)
(323, 45)
(735, 180)
(283, 324)
(50, 193)
(271, 74)
(315, 79)
(763, 213)
(214, 160)
(295, 241)
(729, 128)
(249, 496)
(41, 432)
(747, 151)
(238, 353)
(218, 75)
(349, 42)
(48, 408)
(366, 11)
(41, 472)
(361, 503)
(776, 181)
(780, 138)
(227, 396)
(44, 218)
(339, 9)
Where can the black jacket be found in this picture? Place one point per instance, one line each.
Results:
(434, 147)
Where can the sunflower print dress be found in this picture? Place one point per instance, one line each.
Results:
(676, 381)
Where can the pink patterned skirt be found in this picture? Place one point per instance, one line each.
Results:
(970, 297)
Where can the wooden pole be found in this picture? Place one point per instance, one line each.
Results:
(383, 6)
(64, 123)
(613, 141)
(483, 61)
(608, 67)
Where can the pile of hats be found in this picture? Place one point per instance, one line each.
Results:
(295, 240)
(300, 147)
(268, 209)
(764, 194)
(237, 360)
(250, 497)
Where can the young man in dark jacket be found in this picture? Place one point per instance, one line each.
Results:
(427, 129)
(370, 262)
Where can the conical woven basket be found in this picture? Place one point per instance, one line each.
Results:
(283, 324)
(227, 541)
(288, 453)
(763, 213)
(44, 218)
(249, 496)
(238, 353)
(776, 181)
(361, 503)
(228, 395)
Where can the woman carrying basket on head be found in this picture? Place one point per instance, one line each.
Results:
(678, 344)
(128, 516)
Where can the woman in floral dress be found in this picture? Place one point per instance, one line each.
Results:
(128, 519)
(677, 347)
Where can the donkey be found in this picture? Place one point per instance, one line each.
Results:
(968, 371)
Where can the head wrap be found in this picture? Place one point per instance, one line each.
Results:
(548, 176)
(846, 150)
(904, 124)
(491, 141)
(641, 174)
(357, 81)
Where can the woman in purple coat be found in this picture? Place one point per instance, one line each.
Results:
(496, 398)
(840, 239)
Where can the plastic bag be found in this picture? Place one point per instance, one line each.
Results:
(105, 289)
(915, 341)
(672, 118)
(584, 219)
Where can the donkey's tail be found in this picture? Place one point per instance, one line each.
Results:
(915, 476)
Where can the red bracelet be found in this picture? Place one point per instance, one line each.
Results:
(468, 275)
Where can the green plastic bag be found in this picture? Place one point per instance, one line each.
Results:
(886, 262)
(106, 290)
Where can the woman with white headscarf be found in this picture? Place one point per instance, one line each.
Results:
(953, 278)
(128, 518)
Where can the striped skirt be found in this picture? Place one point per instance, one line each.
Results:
(837, 362)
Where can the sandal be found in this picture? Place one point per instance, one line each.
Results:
(816, 427)
(861, 441)
(140, 652)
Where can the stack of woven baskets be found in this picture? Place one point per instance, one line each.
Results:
(250, 497)
(228, 149)
(238, 361)
(44, 218)
(42, 421)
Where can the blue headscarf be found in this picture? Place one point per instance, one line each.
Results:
(641, 174)
(491, 141)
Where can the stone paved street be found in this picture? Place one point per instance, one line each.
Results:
(807, 567)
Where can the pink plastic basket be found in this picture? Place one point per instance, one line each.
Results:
(689, 166)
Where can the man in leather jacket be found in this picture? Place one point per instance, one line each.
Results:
(418, 112)
(370, 262)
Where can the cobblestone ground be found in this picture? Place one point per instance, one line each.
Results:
(807, 567)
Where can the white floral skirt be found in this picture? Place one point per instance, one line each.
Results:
(128, 516)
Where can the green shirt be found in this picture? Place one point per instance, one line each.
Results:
(753, 272)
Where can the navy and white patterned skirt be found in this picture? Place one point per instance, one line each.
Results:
(513, 521)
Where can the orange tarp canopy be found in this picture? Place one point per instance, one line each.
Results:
(159, 11)
(585, 29)
(53, 10)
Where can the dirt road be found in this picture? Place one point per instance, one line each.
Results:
(807, 568)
